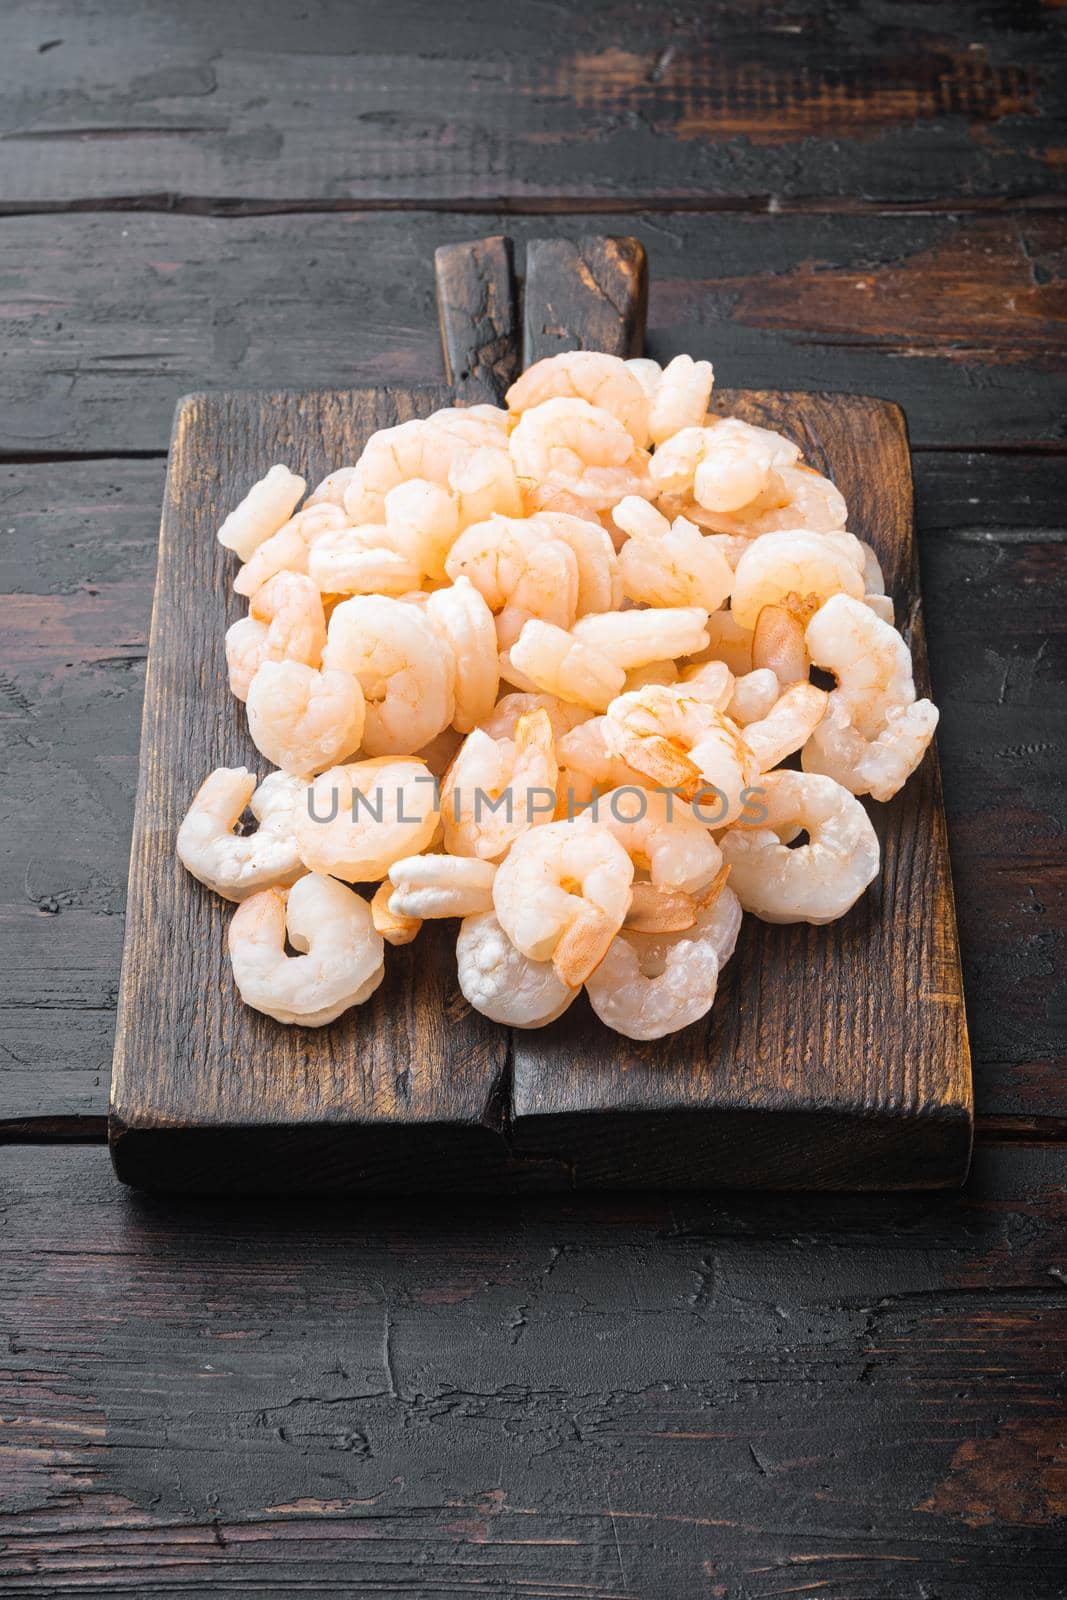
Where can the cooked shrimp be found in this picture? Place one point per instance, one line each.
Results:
(394, 930)
(561, 894)
(501, 983)
(422, 521)
(660, 835)
(504, 718)
(603, 381)
(599, 582)
(481, 479)
(796, 497)
(634, 638)
(349, 560)
(475, 425)
(683, 743)
(725, 466)
(465, 623)
(650, 985)
(681, 397)
(331, 491)
(665, 564)
(285, 623)
(407, 677)
(580, 448)
(790, 563)
(232, 865)
(651, 672)
(266, 507)
(303, 720)
(787, 726)
(560, 663)
(728, 642)
(342, 962)
(814, 882)
(519, 574)
(710, 681)
(431, 886)
(362, 817)
(498, 788)
(287, 550)
(875, 732)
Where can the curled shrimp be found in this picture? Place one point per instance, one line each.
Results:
(303, 720)
(498, 788)
(635, 638)
(651, 985)
(724, 466)
(787, 564)
(348, 560)
(875, 732)
(813, 882)
(575, 446)
(480, 478)
(603, 381)
(360, 818)
(681, 742)
(475, 425)
(796, 497)
(431, 886)
(754, 694)
(342, 961)
(331, 490)
(288, 549)
(519, 574)
(665, 564)
(502, 983)
(549, 658)
(235, 866)
(561, 894)
(681, 398)
(599, 581)
(407, 677)
(661, 836)
(285, 623)
(787, 726)
(421, 522)
(588, 763)
(266, 507)
(465, 623)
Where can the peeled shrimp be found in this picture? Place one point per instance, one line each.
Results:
(787, 726)
(549, 658)
(349, 560)
(265, 508)
(288, 549)
(342, 962)
(599, 581)
(480, 478)
(660, 835)
(796, 497)
(303, 720)
(725, 466)
(791, 563)
(285, 623)
(588, 762)
(681, 398)
(650, 985)
(504, 718)
(394, 929)
(815, 882)
(578, 447)
(634, 638)
(331, 491)
(362, 817)
(232, 865)
(498, 788)
(603, 381)
(754, 693)
(875, 732)
(465, 622)
(502, 983)
(664, 564)
(429, 886)
(406, 675)
(421, 523)
(561, 894)
(683, 743)
(518, 572)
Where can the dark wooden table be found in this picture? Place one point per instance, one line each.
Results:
(670, 1399)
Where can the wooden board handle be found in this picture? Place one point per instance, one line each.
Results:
(589, 295)
(477, 304)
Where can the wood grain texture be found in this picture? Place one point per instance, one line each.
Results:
(104, 321)
(478, 309)
(610, 1398)
(709, 102)
(77, 563)
(589, 293)
(833, 1058)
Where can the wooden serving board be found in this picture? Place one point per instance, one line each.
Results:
(833, 1057)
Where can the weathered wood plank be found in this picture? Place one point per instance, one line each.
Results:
(584, 294)
(106, 319)
(539, 103)
(83, 547)
(605, 1399)
(477, 305)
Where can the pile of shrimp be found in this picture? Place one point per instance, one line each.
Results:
(548, 670)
